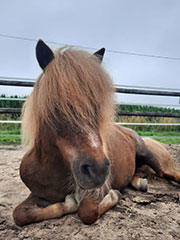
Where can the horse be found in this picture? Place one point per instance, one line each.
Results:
(77, 158)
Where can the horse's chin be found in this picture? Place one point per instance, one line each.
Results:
(89, 187)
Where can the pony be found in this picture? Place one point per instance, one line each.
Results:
(78, 159)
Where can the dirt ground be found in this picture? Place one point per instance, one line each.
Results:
(151, 215)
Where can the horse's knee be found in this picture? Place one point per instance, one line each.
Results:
(88, 211)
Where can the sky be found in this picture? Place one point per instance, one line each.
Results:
(133, 26)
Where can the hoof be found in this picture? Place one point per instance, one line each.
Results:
(115, 195)
(143, 185)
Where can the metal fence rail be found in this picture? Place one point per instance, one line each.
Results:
(148, 124)
(12, 99)
(17, 83)
(118, 123)
(10, 110)
(149, 114)
(10, 121)
(23, 82)
(123, 113)
(148, 92)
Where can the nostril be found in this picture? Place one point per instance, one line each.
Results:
(106, 162)
(86, 170)
(90, 173)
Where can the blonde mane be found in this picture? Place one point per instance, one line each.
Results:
(74, 86)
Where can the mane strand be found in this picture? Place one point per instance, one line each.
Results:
(73, 90)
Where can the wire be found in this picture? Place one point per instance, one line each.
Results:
(92, 48)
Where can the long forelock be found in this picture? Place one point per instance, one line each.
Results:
(75, 89)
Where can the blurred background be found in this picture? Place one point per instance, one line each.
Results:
(141, 38)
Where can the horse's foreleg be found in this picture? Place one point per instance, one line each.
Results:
(28, 212)
(89, 210)
(109, 201)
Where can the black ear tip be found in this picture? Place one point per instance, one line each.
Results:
(40, 40)
(44, 54)
(40, 43)
(100, 54)
(102, 50)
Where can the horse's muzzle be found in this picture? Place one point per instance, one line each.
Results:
(90, 173)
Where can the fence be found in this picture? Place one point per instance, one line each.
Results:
(119, 89)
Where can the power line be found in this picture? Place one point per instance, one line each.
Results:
(92, 48)
(35, 40)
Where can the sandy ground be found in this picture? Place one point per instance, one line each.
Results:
(151, 215)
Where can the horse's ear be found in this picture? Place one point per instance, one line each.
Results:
(100, 54)
(44, 54)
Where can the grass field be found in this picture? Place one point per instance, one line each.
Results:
(148, 131)
(10, 140)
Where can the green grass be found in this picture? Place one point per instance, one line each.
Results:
(8, 140)
(168, 140)
(17, 140)
(10, 126)
(151, 131)
(141, 133)
(157, 133)
(14, 131)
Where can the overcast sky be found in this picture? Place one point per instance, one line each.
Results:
(145, 27)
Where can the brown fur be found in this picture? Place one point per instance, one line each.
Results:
(69, 119)
(167, 165)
